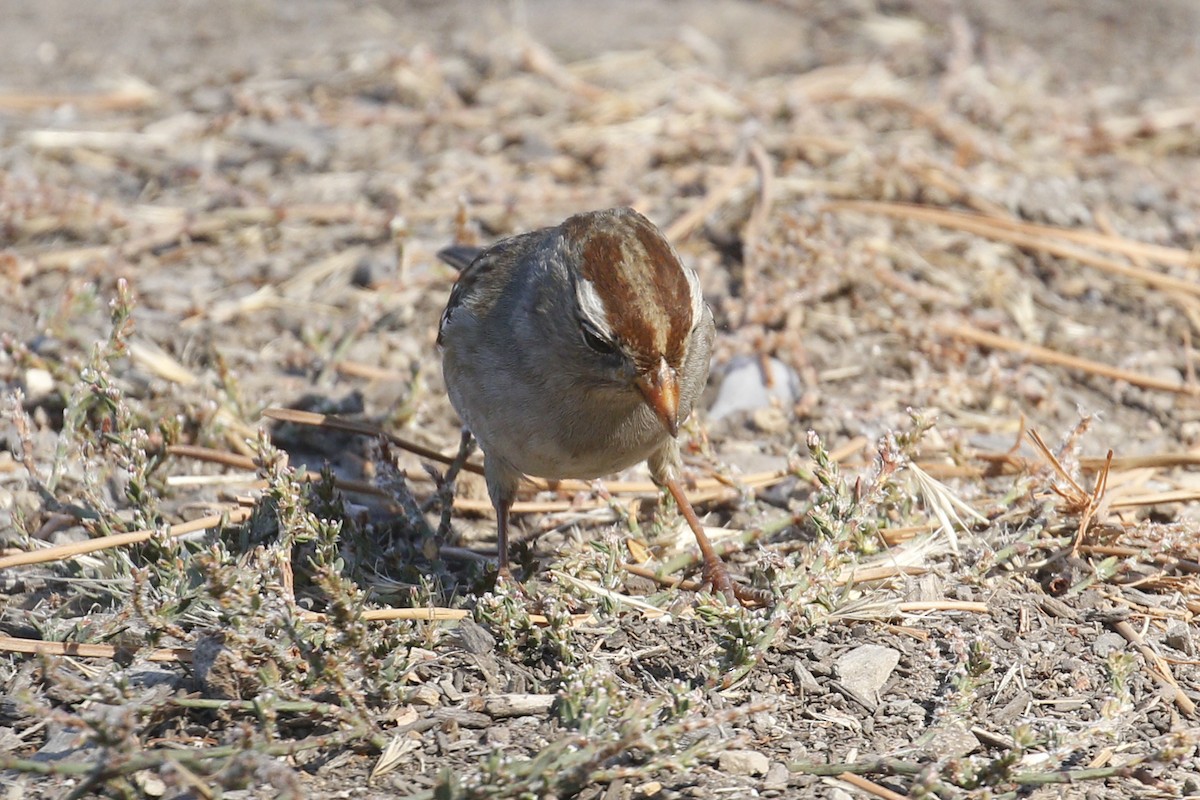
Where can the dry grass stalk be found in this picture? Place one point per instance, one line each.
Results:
(1157, 498)
(1008, 463)
(1154, 461)
(1047, 356)
(869, 786)
(1030, 234)
(1160, 670)
(1097, 506)
(756, 225)
(357, 369)
(1126, 551)
(363, 429)
(65, 551)
(13, 644)
(433, 614)
(128, 99)
(858, 575)
(669, 581)
(161, 363)
(242, 462)
(705, 491)
(921, 606)
(628, 601)
(945, 505)
(1089, 506)
(212, 455)
(894, 536)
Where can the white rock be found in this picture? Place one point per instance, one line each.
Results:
(777, 777)
(153, 786)
(953, 739)
(743, 762)
(743, 387)
(37, 384)
(864, 670)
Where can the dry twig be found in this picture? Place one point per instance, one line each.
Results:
(1047, 356)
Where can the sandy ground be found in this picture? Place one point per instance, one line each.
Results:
(954, 224)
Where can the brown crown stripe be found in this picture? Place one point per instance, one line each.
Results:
(639, 279)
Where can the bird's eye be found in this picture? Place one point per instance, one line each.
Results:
(603, 346)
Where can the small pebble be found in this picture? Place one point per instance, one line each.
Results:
(864, 670)
(1179, 636)
(777, 777)
(954, 739)
(38, 384)
(474, 637)
(153, 786)
(743, 762)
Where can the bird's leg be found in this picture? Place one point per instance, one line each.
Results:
(502, 483)
(447, 485)
(664, 470)
(715, 571)
(503, 507)
(505, 582)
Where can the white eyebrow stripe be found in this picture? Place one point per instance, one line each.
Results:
(592, 307)
(697, 295)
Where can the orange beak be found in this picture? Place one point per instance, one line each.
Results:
(660, 387)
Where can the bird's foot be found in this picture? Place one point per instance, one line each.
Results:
(716, 574)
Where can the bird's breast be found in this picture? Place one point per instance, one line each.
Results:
(570, 440)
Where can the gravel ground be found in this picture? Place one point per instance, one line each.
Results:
(950, 230)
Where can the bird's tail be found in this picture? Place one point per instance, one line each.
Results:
(459, 256)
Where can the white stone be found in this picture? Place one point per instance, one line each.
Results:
(37, 383)
(743, 762)
(864, 670)
(743, 387)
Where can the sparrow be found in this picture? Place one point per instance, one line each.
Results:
(576, 351)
